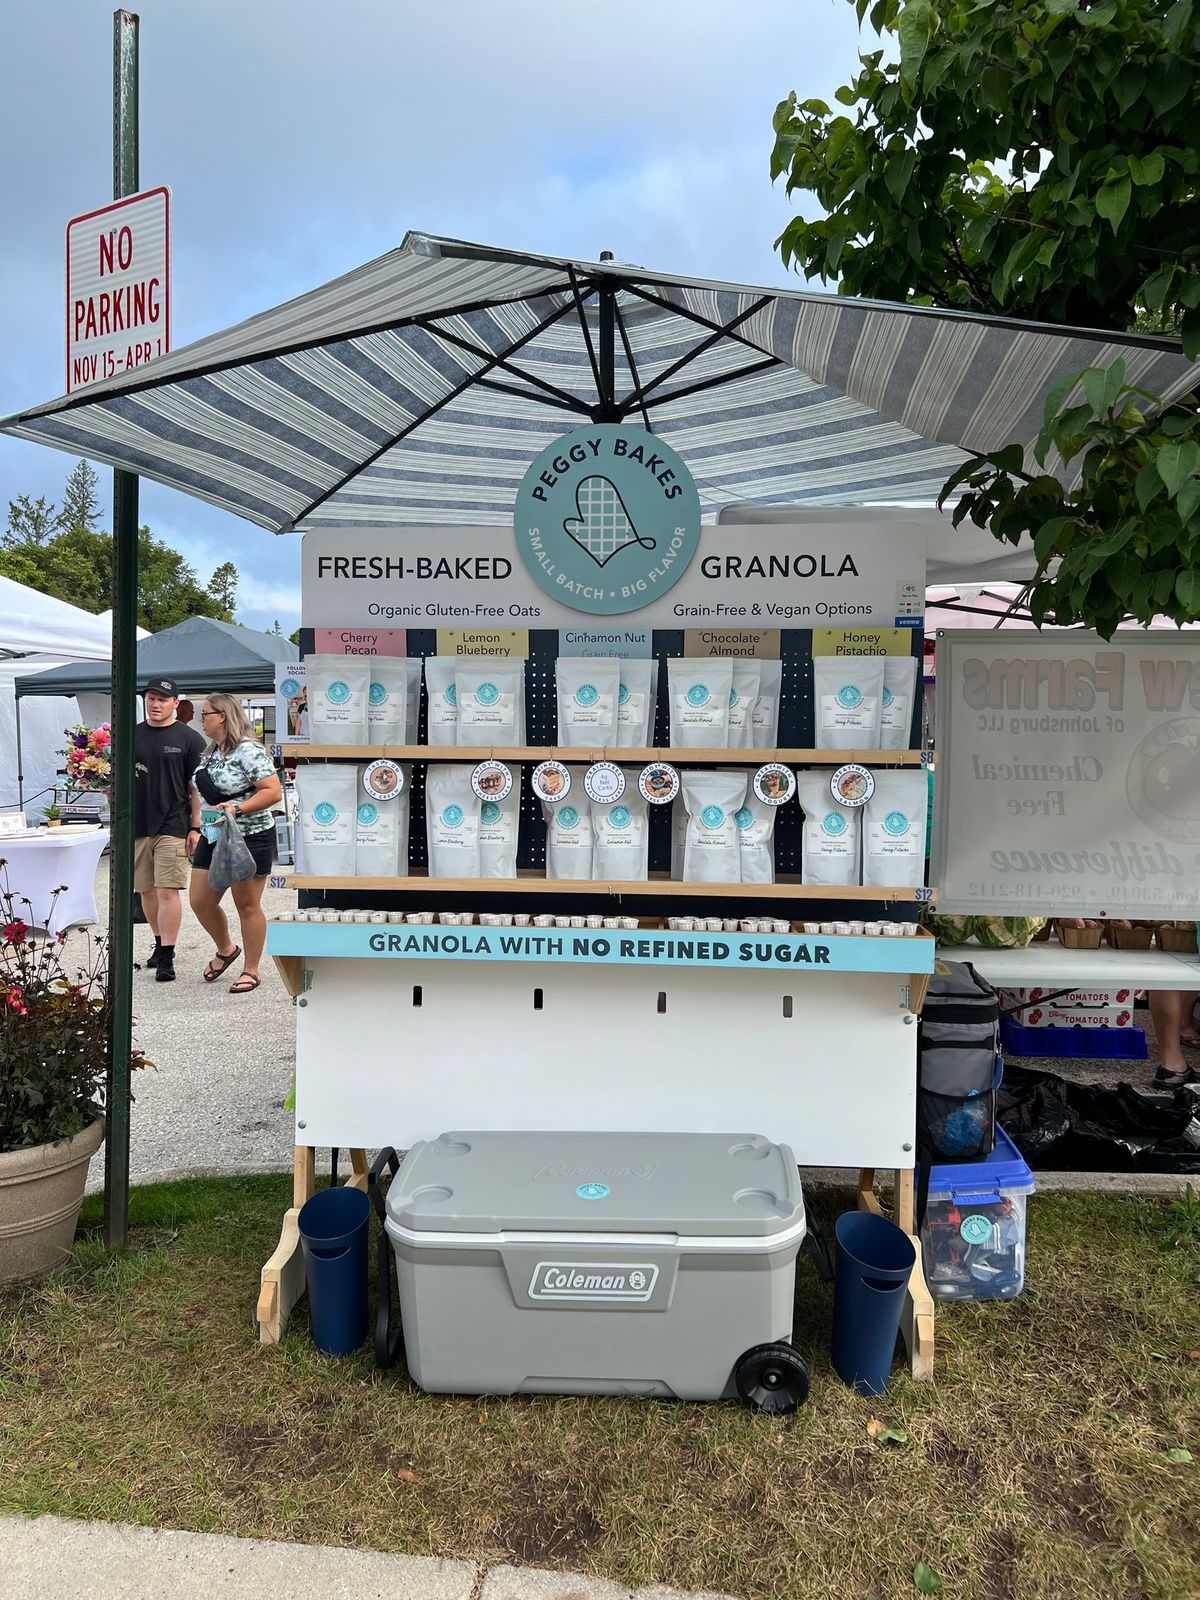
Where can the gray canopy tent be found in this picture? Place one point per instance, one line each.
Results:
(201, 654)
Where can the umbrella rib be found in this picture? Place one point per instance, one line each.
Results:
(633, 371)
(705, 344)
(561, 395)
(574, 406)
(87, 397)
(705, 322)
(452, 394)
(587, 332)
(714, 383)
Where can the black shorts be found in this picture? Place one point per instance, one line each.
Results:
(261, 846)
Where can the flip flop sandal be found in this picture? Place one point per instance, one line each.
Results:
(220, 963)
(246, 984)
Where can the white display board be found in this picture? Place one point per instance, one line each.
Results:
(786, 576)
(1068, 774)
(388, 1053)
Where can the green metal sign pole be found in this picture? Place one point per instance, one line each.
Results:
(124, 706)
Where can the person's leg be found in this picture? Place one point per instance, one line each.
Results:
(1187, 1025)
(170, 878)
(206, 903)
(170, 914)
(247, 897)
(143, 886)
(1167, 1014)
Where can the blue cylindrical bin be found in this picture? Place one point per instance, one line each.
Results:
(333, 1231)
(874, 1260)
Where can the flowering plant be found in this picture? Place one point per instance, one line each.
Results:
(88, 754)
(53, 1031)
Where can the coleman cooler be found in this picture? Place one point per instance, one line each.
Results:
(597, 1263)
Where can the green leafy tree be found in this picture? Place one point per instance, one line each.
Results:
(81, 500)
(30, 522)
(222, 586)
(1036, 158)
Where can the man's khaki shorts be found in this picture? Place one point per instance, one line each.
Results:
(160, 862)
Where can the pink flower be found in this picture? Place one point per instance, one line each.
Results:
(15, 931)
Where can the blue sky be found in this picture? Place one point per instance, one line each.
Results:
(300, 140)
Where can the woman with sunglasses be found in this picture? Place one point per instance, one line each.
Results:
(235, 776)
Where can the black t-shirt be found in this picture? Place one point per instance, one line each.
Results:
(166, 759)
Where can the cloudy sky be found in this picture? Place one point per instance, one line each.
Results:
(302, 139)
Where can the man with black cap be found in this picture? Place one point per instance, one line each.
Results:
(167, 753)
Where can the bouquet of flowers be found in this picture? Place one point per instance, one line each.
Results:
(88, 757)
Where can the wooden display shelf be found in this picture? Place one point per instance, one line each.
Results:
(535, 883)
(547, 752)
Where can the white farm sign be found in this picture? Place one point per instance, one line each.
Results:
(1068, 774)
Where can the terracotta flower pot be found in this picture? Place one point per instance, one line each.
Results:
(41, 1191)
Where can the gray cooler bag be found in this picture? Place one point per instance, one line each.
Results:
(605, 1263)
(959, 1066)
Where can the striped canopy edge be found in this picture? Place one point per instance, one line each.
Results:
(416, 389)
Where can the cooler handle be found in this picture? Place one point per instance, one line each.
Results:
(387, 1339)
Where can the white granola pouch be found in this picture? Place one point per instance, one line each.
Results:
(442, 696)
(491, 700)
(587, 689)
(699, 687)
(848, 694)
(712, 845)
(451, 822)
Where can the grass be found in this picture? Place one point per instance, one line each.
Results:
(1036, 1466)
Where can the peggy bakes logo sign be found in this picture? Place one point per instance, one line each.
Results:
(607, 519)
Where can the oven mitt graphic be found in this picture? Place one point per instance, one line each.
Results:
(602, 526)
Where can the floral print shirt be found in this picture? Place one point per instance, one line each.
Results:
(244, 766)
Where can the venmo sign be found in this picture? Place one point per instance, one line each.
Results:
(607, 519)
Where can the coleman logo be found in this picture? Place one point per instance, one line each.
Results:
(589, 1280)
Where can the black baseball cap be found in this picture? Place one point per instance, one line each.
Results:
(163, 686)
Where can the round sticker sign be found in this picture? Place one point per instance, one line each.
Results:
(604, 782)
(659, 783)
(607, 519)
(551, 782)
(491, 780)
(383, 780)
(774, 784)
(852, 785)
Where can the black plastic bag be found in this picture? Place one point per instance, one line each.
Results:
(231, 859)
(1086, 1127)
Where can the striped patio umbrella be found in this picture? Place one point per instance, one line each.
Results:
(418, 388)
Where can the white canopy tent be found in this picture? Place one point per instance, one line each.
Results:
(38, 632)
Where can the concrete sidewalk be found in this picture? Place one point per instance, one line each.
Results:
(43, 1558)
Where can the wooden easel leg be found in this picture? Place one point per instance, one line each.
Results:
(359, 1169)
(282, 1280)
(916, 1319)
(868, 1200)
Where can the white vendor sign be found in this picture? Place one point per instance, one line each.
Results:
(1068, 774)
(802, 576)
(118, 287)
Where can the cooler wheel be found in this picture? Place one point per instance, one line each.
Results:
(772, 1378)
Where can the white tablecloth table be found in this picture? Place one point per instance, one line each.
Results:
(39, 862)
(1049, 966)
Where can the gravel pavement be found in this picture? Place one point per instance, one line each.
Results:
(223, 1062)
